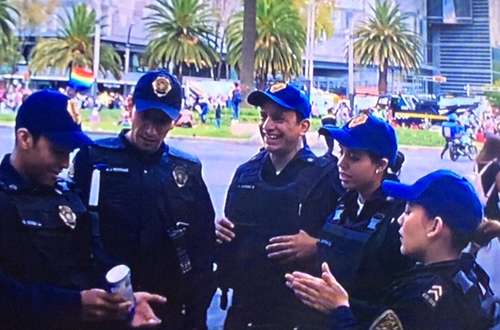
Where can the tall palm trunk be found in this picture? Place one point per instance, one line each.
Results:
(382, 80)
(247, 68)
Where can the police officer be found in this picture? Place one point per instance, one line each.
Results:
(44, 250)
(274, 200)
(360, 237)
(450, 129)
(447, 289)
(155, 213)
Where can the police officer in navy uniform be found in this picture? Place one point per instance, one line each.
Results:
(274, 200)
(44, 230)
(155, 213)
(360, 237)
(446, 289)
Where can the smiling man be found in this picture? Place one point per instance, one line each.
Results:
(274, 199)
(154, 209)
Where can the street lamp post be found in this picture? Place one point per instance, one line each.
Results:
(127, 58)
(350, 68)
(309, 65)
(97, 47)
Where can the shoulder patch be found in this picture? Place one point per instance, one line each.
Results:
(110, 143)
(182, 155)
(433, 295)
(388, 320)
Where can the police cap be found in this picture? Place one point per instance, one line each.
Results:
(286, 96)
(158, 90)
(46, 113)
(442, 193)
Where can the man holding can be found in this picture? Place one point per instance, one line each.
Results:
(44, 252)
(155, 214)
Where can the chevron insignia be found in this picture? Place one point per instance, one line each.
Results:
(433, 295)
(388, 320)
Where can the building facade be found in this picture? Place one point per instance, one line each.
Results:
(461, 47)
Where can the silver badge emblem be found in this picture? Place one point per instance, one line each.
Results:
(180, 175)
(67, 216)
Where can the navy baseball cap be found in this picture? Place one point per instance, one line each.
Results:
(284, 95)
(46, 113)
(442, 193)
(368, 133)
(158, 90)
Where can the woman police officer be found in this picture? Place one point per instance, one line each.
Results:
(361, 236)
(446, 290)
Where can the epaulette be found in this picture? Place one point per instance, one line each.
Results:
(182, 155)
(325, 160)
(110, 143)
(258, 156)
(8, 187)
(64, 185)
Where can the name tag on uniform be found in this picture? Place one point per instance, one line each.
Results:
(31, 223)
(246, 186)
(116, 169)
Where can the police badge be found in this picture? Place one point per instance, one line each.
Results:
(67, 216)
(388, 320)
(161, 86)
(359, 120)
(180, 176)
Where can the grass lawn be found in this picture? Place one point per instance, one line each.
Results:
(415, 137)
(244, 130)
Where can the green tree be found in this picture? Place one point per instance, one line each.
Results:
(494, 97)
(383, 39)
(8, 16)
(35, 13)
(323, 23)
(9, 54)
(74, 45)
(181, 31)
(280, 40)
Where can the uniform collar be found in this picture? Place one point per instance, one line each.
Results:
(304, 155)
(14, 181)
(9, 175)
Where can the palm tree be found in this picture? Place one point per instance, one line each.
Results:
(280, 40)
(74, 45)
(9, 53)
(180, 33)
(385, 40)
(7, 19)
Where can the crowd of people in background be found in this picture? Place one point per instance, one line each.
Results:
(206, 109)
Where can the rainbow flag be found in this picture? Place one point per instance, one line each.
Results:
(81, 77)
